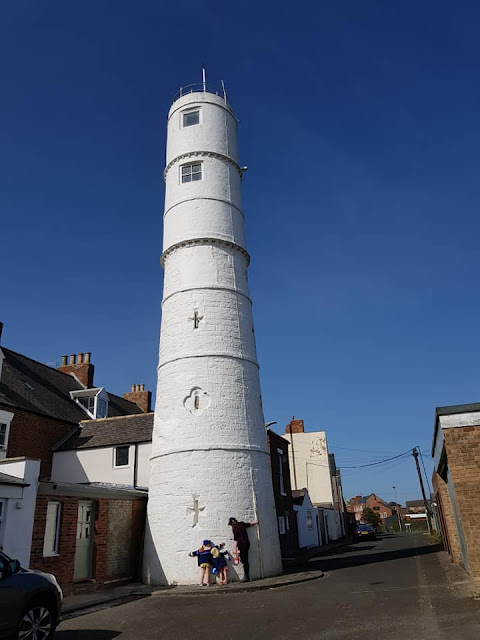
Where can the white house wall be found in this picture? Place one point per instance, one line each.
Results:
(96, 465)
(306, 537)
(143, 464)
(312, 469)
(17, 528)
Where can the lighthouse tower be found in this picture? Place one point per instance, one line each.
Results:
(209, 454)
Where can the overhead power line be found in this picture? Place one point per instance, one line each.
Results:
(371, 464)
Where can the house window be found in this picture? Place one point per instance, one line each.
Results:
(384, 514)
(88, 403)
(192, 172)
(102, 408)
(309, 519)
(287, 522)
(52, 529)
(280, 466)
(281, 524)
(3, 435)
(121, 456)
(376, 508)
(191, 117)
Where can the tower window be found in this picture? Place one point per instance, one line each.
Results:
(191, 117)
(192, 172)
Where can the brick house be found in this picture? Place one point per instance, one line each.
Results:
(282, 491)
(357, 504)
(456, 483)
(73, 530)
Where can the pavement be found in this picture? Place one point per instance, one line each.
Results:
(395, 587)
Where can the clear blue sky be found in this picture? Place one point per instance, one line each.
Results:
(360, 126)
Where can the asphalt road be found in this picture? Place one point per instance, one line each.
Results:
(395, 587)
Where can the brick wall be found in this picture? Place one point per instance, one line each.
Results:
(462, 445)
(33, 436)
(117, 540)
(61, 566)
(283, 503)
(119, 537)
(446, 521)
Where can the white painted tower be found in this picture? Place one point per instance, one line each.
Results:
(209, 456)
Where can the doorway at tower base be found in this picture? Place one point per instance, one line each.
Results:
(184, 513)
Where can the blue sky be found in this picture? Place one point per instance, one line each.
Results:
(360, 127)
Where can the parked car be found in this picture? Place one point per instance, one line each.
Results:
(30, 602)
(365, 532)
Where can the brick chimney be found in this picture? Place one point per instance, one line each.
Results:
(140, 397)
(80, 367)
(294, 426)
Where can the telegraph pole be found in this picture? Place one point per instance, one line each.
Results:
(427, 508)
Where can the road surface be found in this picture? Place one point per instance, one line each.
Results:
(396, 587)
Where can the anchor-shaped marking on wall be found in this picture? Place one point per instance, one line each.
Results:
(196, 511)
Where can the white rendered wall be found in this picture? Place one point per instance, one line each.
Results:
(16, 535)
(209, 450)
(306, 537)
(311, 465)
(96, 465)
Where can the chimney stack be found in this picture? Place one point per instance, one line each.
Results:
(140, 397)
(79, 367)
(295, 426)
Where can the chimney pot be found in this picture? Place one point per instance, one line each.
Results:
(87, 357)
(142, 387)
(133, 388)
(64, 360)
(1, 329)
(80, 358)
(72, 358)
(137, 387)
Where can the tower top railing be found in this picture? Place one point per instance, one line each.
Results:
(202, 87)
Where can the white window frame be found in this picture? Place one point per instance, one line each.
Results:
(281, 525)
(54, 551)
(309, 520)
(121, 466)
(188, 112)
(191, 165)
(98, 393)
(6, 418)
(282, 478)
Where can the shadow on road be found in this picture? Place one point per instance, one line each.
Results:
(340, 560)
(84, 634)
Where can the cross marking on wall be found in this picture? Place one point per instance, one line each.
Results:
(196, 511)
(196, 319)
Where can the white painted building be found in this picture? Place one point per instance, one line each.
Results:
(209, 455)
(307, 519)
(18, 495)
(309, 462)
(110, 451)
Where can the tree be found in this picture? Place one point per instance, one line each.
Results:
(370, 517)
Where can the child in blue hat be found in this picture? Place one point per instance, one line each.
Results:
(205, 559)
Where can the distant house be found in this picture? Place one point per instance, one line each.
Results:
(415, 506)
(357, 504)
(313, 467)
(85, 526)
(307, 519)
